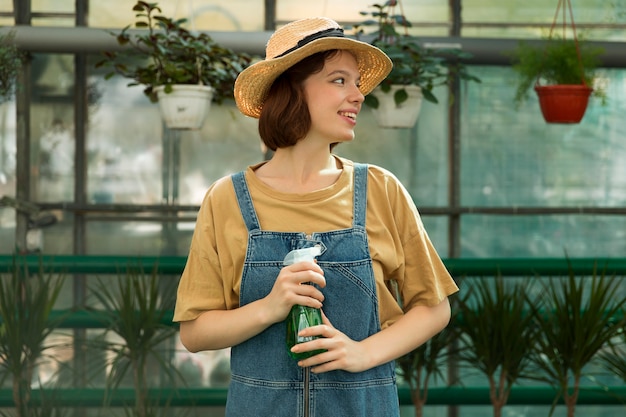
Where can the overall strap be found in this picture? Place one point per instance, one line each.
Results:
(360, 194)
(245, 202)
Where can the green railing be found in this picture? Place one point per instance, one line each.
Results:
(215, 397)
(90, 264)
(111, 265)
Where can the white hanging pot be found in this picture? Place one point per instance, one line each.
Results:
(186, 106)
(404, 115)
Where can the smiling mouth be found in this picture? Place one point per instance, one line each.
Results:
(349, 115)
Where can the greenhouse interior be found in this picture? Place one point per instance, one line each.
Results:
(99, 196)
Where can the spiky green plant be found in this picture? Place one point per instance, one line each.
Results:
(497, 334)
(135, 308)
(578, 316)
(614, 358)
(426, 363)
(26, 301)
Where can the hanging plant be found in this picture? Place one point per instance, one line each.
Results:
(562, 73)
(413, 65)
(164, 55)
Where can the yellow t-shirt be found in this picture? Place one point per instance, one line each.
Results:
(407, 269)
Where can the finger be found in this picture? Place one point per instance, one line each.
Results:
(309, 277)
(305, 266)
(326, 321)
(309, 291)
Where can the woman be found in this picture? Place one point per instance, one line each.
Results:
(379, 282)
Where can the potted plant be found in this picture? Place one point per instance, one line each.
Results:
(577, 319)
(171, 61)
(136, 310)
(26, 302)
(562, 75)
(417, 70)
(497, 334)
(11, 59)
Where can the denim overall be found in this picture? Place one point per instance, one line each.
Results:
(265, 381)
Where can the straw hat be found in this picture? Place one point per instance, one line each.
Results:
(296, 41)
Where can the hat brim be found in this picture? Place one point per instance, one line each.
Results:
(254, 82)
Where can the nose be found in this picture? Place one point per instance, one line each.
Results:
(356, 96)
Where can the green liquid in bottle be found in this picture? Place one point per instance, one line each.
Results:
(298, 319)
(301, 317)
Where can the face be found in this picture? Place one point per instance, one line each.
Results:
(334, 99)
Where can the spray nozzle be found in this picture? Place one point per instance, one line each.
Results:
(304, 254)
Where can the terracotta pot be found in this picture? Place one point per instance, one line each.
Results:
(563, 103)
(186, 107)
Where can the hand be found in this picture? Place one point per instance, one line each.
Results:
(290, 288)
(341, 351)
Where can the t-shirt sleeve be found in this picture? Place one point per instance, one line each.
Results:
(424, 279)
(201, 286)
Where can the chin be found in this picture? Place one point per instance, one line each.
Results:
(346, 138)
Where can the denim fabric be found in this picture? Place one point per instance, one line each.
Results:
(265, 380)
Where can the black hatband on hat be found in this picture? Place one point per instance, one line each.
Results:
(333, 32)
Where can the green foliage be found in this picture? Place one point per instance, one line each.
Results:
(135, 309)
(413, 64)
(578, 318)
(614, 358)
(557, 63)
(26, 302)
(427, 361)
(11, 60)
(498, 334)
(165, 53)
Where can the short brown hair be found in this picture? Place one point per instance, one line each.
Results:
(285, 117)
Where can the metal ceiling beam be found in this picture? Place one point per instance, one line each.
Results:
(485, 51)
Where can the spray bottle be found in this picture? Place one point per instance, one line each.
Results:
(301, 317)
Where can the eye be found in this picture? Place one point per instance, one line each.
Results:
(339, 80)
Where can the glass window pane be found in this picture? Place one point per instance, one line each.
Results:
(201, 14)
(133, 159)
(52, 128)
(428, 16)
(7, 230)
(53, 6)
(595, 19)
(57, 238)
(7, 147)
(545, 236)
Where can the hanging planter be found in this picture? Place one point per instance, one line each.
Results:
(563, 103)
(403, 115)
(417, 69)
(164, 55)
(186, 106)
(562, 72)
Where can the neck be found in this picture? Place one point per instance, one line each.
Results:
(299, 170)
